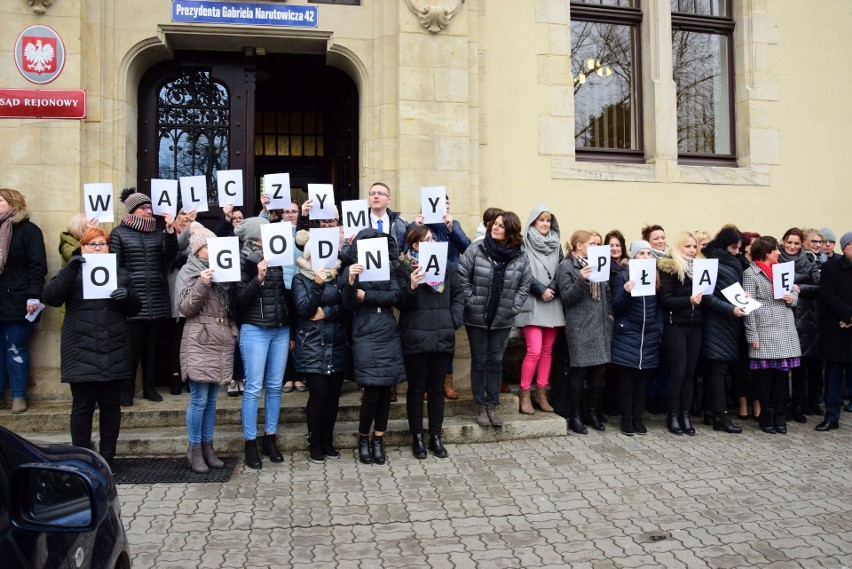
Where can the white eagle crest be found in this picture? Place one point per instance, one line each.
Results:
(39, 56)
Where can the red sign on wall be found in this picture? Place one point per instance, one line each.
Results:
(42, 104)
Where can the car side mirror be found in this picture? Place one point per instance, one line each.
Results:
(55, 498)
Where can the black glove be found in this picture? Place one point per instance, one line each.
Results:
(75, 262)
(120, 293)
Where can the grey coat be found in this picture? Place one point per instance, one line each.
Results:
(475, 274)
(588, 322)
(773, 325)
(535, 311)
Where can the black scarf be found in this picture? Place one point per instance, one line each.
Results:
(499, 252)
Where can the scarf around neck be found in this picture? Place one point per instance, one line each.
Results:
(138, 223)
(6, 221)
(499, 252)
(767, 269)
(543, 253)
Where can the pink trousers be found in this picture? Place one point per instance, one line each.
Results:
(539, 355)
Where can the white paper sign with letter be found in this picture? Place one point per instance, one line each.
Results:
(599, 259)
(277, 187)
(355, 216)
(433, 204)
(224, 255)
(433, 261)
(738, 297)
(193, 193)
(322, 196)
(100, 276)
(704, 275)
(230, 186)
(278, 243)
(783, 277)
(373, 254)
(164, 194)
(325, 246)
(98, 198)
(643, 273)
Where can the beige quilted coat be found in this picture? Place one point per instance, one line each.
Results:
(209, 336)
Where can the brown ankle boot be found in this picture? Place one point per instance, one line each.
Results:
(449, 390)
(540, 399)
(525, 407)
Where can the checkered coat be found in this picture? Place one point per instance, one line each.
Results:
(773, 325)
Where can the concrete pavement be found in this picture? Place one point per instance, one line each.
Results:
(601, 500)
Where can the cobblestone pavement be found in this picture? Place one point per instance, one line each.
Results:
(601, 500)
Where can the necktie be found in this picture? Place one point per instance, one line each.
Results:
(381, 226)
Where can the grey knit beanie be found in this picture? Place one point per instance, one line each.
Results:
(249, 228)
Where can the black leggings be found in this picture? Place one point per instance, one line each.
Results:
(714, 387)
(631, 391)
(144, 334)
(593, 377)
(426, 374)
(375, 409)
(323, 403)
(772, 392)
(682, 345)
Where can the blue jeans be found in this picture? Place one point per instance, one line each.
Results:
(264, 352)
(201, 413)
(486, 362)
(15, 356)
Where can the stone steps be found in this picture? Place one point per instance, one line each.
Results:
(159, 429)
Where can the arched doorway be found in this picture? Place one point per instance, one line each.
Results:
(207, 111)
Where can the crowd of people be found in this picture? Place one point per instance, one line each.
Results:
(293, 327)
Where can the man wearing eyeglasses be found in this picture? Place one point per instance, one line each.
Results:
(384, 218)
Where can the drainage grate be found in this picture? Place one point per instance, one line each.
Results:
(167, 471)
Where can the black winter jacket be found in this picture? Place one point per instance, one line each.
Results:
(722, 331)
(807, 276)
(376, 347)
(674, 296)
(428, 320)
(148, 258)
(266, 304)
(95, 343)
(26, 267)
(322, 346)
(638, 326)
(835, 287)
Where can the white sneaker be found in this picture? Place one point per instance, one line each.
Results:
(233, 388)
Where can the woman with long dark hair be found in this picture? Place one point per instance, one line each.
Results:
(771, 333)
(430, 314)
(495, 276)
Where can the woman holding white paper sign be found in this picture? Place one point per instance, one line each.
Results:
(682, 332)
(635, 341)
(771, 334)
(807, 378)
(97, 354)
(588, 330)
(722, 328)
(430, 314)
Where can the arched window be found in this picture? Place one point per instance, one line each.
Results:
(193, 121)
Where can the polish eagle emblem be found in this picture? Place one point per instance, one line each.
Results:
(40, 56)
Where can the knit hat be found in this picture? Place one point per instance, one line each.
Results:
(198, 236)
(133, 199)
(249, 228)
(845, 240)
(636, 246)
(828, 234)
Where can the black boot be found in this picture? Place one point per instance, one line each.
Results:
(686, 423)
(638, 426)
(315, 454)
(708, 418)
(575, 423)
(176, 385)
(252, 458)
(418, 449)
(126, 397)
(328, 449)
(780, 424)
(379, 449)
(673, 423)
(721, 422)
(437, 447)
(798, 415)
(767, 425)
(270, 449)
(627, 426)
(594, 421)
(149, 392)
(364, 453)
